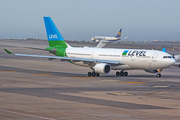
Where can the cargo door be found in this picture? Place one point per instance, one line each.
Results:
(154, 57)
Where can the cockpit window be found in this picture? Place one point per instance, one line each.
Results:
(167, 57)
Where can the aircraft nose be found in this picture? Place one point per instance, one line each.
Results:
(171, 62)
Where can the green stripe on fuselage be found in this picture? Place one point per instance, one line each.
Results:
(60, 47)
(60, 43)
(61, 52)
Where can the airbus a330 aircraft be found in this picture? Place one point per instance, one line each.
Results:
(115, 38)
(103, 60)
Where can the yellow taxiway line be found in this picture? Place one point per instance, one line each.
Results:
(7, 71)
(43, 74)
(151, 98)
(109, 80)
(134, 82)
(160, 86)
(162, 90)
(119, 93)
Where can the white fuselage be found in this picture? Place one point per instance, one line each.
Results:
(133, 58)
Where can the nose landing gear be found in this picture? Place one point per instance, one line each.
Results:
(159, 73)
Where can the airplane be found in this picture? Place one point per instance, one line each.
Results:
(115, 38)
(103, 60)
(103, 43)
(177, 59)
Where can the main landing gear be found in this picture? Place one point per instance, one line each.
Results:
(121, 73)
(93, 74)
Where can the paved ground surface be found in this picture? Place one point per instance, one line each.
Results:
(39, 89)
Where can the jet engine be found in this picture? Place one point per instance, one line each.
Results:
(102, 68)
(151, 71)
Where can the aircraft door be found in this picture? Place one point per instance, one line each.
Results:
(154, 57)
(132, 58)
(92, 54)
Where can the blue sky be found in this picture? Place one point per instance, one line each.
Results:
(82, 19)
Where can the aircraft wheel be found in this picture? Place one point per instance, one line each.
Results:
(125, 73)
(117, 73)
(158, 75)
(89, 74)
(121, 73)
(93, 74)
(97, 74)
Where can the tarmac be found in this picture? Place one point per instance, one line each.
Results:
(42, 89)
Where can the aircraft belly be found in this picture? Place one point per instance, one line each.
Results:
(121, 67)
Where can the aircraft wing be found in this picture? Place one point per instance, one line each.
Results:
(69, 58)
(102, 43)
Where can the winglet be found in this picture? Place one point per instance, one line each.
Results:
(8, 51)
